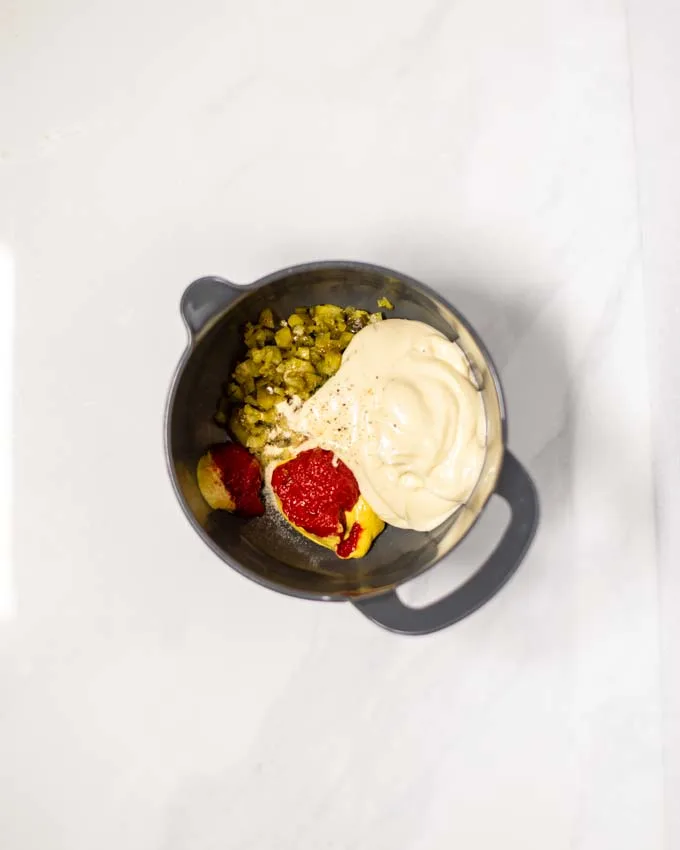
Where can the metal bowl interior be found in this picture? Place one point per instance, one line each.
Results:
(267, 549)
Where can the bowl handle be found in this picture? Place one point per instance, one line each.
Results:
(205, 298)
(516, 487)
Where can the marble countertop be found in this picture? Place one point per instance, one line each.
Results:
(522, 159)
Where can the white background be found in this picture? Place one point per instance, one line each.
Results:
(520, 157)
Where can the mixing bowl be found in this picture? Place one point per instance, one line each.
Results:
(266, 549)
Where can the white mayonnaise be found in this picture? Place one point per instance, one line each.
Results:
(403, 413)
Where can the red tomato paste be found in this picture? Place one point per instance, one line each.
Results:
(315, 490)
(241, 475)
(349, 544)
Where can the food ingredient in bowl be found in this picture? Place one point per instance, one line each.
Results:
(385, 303)
(404, 414)
(320, 497)
(287, 360)
(230, 479)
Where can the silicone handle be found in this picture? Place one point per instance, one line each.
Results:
(515, 486)
(205, 298)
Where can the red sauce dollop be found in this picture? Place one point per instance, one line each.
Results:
(349, 544)
(315, 490)
(241, 475)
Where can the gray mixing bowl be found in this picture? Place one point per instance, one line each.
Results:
(266, 549)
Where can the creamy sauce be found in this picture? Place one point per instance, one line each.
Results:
(404, 414)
